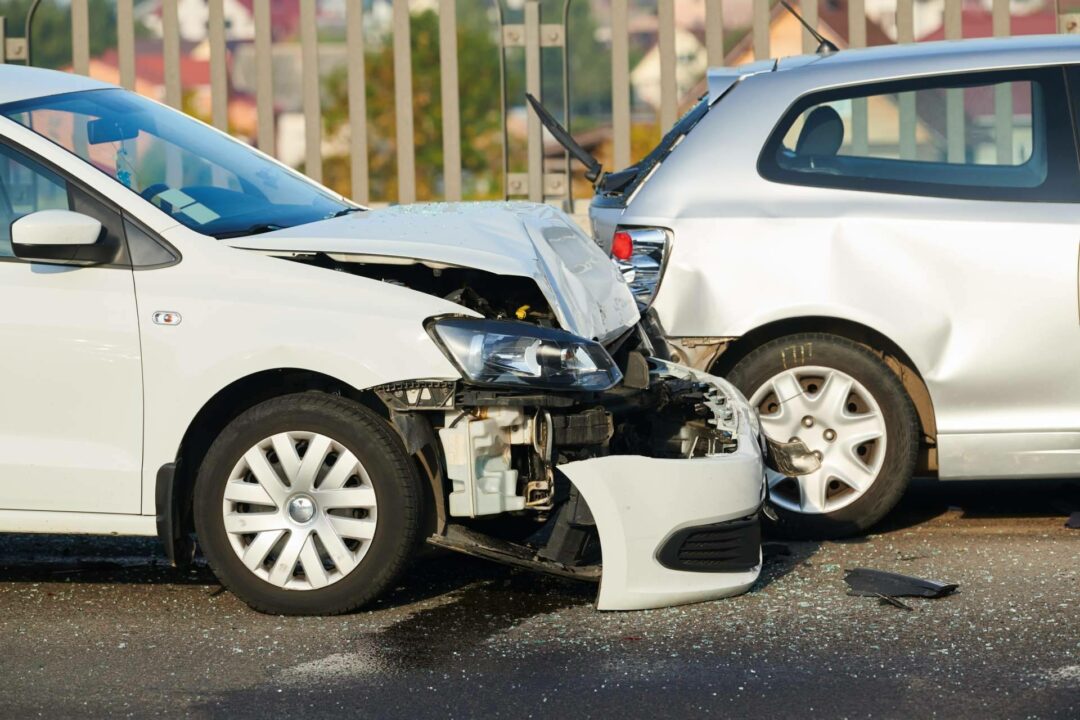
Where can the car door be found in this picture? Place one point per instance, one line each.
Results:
(959, 242)
(70, 366)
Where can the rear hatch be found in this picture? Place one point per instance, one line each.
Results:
(617, 189)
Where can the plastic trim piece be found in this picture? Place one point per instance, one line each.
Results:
(732, 546)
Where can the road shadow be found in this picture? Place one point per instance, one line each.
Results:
(440, 572)
(483, 599)
(93, 559)
(780, 557)
(139, 560)
(929, 498)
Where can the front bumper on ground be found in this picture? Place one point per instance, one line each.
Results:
(640, 504)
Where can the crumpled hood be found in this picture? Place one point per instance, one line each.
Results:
(585, 290)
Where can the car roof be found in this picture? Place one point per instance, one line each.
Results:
(943, 56)
(18, 82)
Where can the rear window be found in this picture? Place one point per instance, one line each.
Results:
(999, 136)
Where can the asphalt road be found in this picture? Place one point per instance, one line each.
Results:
(93, 627)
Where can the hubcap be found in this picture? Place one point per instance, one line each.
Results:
(299, 510)
(839, 420)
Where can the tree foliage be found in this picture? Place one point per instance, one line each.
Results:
(478, 73)
(51, 34)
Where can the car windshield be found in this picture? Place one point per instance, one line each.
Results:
(206, 180)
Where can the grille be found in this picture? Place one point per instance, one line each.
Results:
(733, 546)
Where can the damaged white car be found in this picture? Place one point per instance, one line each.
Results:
(201, 342)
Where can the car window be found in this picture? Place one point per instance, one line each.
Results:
(205, 179)
(25, 187)
(1073, 72)
(989, 136)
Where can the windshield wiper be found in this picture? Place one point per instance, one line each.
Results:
(255, 229)
(346, 211)
(593, 169)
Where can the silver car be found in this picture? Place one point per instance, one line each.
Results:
(880, 249)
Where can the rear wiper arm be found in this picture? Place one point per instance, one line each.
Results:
(255, 229)
(593, 168)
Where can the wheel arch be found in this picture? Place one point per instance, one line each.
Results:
(894, 356)
(176, 484)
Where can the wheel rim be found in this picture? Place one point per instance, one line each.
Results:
(838, 419)
(299, 510)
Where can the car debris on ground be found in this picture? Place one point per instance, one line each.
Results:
(888, 586)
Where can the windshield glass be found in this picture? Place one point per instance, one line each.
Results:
(206, 180)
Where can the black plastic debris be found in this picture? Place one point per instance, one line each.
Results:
(895, 602)
(1073, 521)
(878, 583)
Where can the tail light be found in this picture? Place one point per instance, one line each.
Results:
(640, 254)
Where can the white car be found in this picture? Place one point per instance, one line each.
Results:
(879, 248)
(197, 339)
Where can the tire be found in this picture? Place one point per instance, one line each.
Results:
(374, 513)
(798, 385)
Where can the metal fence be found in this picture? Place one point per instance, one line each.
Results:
(532, 33)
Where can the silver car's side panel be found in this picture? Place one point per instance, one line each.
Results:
(981, 295)
(980, 456)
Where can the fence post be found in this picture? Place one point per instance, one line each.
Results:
(264, 77)
(714, 32)
(219, 84)
(760, 29)
(860, 114)
(809, 10)
(669, 101)
(80, 37)
(1003, 98)
(170, 26)
(905, 33)
(125, 42)
(358, 157)
(620, 81)
(309, 62)
(532, 85)
(451, 119)
(406, 153)
(954, 97)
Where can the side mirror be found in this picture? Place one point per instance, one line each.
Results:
(59, 236)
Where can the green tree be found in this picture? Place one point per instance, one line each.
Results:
(478, 73)
(51, 33)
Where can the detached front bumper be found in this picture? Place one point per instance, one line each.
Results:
(675, 531)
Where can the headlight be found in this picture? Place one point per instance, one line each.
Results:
(499, 352)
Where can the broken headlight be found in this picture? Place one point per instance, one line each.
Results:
(500, 352)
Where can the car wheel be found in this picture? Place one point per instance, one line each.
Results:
(307, 504)
(840, 399)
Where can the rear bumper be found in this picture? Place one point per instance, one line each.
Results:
(640, 503)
